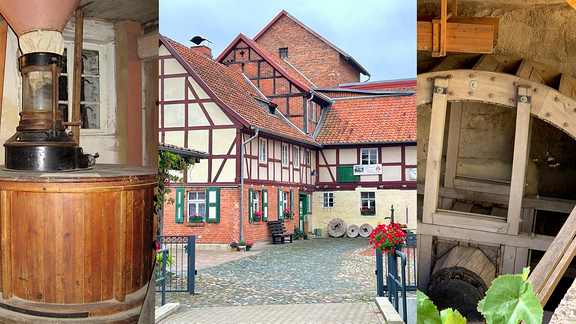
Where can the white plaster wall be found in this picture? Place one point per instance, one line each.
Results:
(196, 116)
(11, 101)
(199, 91)
(222, 139)
(348, 156)
(391, 154)
(216, 114)
(347, 207)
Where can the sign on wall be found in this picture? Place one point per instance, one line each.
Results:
(366, 169)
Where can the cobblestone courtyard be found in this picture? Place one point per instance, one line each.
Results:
(305, 272)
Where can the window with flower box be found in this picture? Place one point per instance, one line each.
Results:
(196, 206)
(368, 203)
(254, 211)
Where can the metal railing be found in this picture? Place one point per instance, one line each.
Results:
(162, 280)
(397, 285)
(179, 263)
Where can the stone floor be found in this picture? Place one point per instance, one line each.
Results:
(304, 273)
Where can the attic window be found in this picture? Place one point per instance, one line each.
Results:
(272, 108)
(283, 52)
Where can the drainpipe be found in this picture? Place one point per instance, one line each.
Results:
(308, 110)
(242, 182)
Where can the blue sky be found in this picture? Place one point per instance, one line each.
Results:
(379, 34)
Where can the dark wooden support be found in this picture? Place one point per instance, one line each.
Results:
(3, 34)
(77, 77)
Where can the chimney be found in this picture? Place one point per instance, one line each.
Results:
(204, 50)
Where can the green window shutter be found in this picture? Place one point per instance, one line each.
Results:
(292, 200)
(179, 212)
(280, 210)
(346, 174)
(264, 205)
(212, 205)
(250, 204)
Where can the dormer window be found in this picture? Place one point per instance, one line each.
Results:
(283, 52)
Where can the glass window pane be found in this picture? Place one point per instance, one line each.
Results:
(64, 109)
(202, 209)
(64, 62)
(201, 195)
(63, 88)
(90, 115)
(90, 89)
(192, 195)
(191, 209)
(90, 62)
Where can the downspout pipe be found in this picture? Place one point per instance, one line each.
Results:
(242, 182)
(308, 110)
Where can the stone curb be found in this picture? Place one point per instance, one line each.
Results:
(165, 311)
(390, 314)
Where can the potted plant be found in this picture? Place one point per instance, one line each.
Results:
(288, 214)
(242, 245)
(234, 245)
(249, 245)
(195, 218)
(368, 210)
(386, 238)
(257, 216)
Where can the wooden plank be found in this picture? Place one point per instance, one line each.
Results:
(527, 224)
(443, 18)
(537, 242)
(137, 255)
(462, 207)
(557, 273)
(34, 217)
(436, 138)
(77, 76)
(73, 283)
(567, 86)
(527, 71)
(495, 22)
(508, 259)
(446, 63)
(6, 230)
(519, 160)
(470, 221)
(482, 185)
(120, 250)
(129, 241)
(462, 38)
(20, 268)
(53, 248)
(487, 63)
(3, 36)
(112, 208)
(555, 257)
(521, 260)
(424, 260)
(453, 144)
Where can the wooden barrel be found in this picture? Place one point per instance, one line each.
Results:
(460, 280)
(76, 245)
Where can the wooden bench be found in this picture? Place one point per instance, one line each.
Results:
(279, 231)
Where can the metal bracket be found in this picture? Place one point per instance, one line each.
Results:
(524, 99)
(440, 90)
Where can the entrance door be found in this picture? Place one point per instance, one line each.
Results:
(303, 209)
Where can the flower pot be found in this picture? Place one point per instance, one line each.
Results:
(234, 249)
(248, 248)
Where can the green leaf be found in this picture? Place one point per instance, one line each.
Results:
(426, 310)
(450, 316)
(510, 300)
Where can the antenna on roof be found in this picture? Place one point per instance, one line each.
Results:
(199, 39)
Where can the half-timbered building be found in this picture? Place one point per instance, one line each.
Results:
(280, 145)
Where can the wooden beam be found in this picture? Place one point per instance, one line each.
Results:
(454, 8)
(148, 46)
(77, 77)
(424, 260)
(461, 37)
(453, 143)
(436, 138)
(481, 223)
(443, 18)
(3, 36)
(536, 242)
(553, 264)
(521, 261)
(508, 259)
(482, 185)
(520, 159)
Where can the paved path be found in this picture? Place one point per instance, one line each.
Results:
(313, 281)
(365, 313)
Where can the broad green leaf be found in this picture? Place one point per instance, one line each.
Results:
(426, 310)
(510, 300)
(450, 316)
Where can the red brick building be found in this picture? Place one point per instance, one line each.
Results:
(302, 145)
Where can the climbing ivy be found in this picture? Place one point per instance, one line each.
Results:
(167, 162)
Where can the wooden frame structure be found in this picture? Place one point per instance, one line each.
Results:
(527, 92)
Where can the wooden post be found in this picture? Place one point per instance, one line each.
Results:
(520, 159)
(3, 35)
(77, 77)
(443, 18)
(424, 261)
(435, 140)
(452, 149)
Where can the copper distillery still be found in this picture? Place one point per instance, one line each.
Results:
(41, 142)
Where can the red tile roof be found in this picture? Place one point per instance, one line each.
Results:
(370, 120)
(237, 93)
(336, 48)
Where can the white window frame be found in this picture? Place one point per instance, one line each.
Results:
(308, 154)
(313, 111)
(106, 80)
(285, 158)
(255, 201)
(371, 201)
(369, 152)
(262, 151)
(197, 202)
(296, 156)
(285, 201)
(309, 204)
(326, 196)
